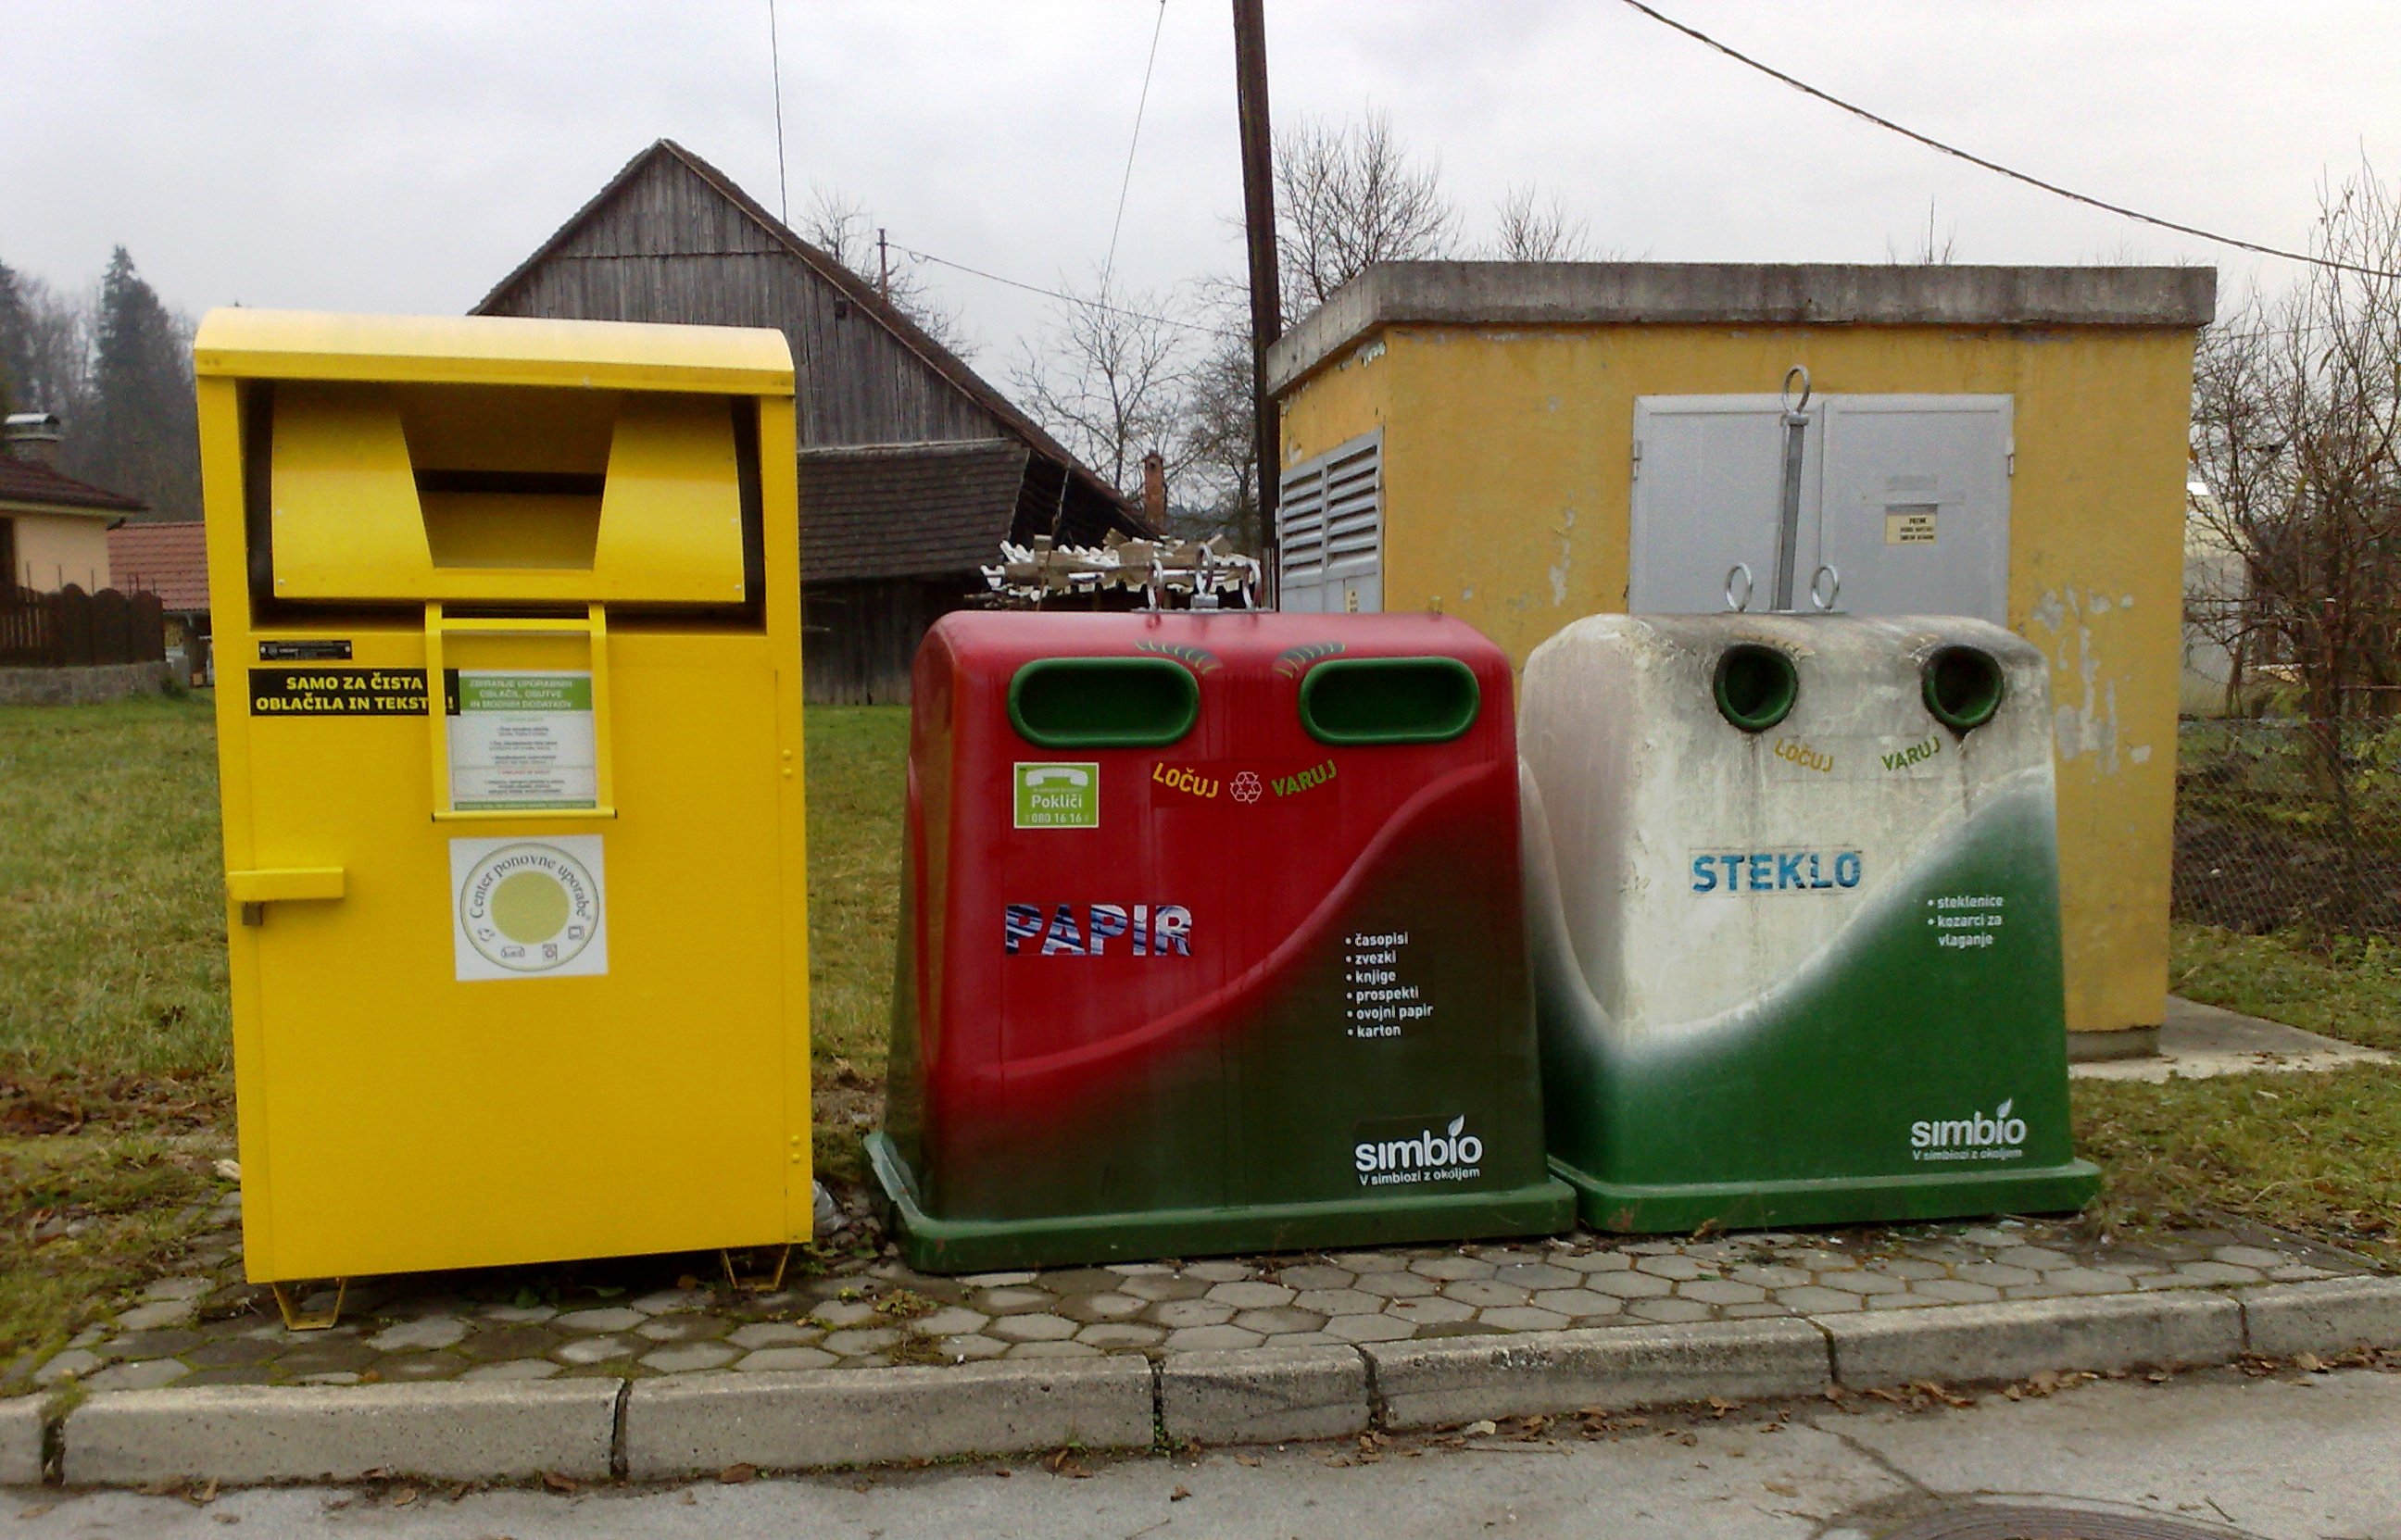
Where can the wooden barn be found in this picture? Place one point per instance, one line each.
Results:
(913, 467)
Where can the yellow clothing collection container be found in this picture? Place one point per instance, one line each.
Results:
(509, 737)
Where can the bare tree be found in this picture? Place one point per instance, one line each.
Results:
(842, 227)
(1932, 249)
(1349, 195)
(1109, 374)
(1220, 491)
(2296, 413)
(1536, 231)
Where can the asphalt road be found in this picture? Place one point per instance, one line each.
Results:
(2309, 1456)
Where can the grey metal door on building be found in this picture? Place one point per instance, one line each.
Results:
(1904, 497)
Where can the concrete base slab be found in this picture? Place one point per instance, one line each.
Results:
(2286, 1319)
(1263, 1396)
(21, 1442)
(2023, 1337)
(242, 1434)
(1461, 1378)
(840, 1417)
(2201, 1041)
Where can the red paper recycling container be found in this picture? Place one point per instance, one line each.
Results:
(1211, 941)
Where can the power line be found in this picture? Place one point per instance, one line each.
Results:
(917, 255)
(1127, 185)
(776, 62)
(1993, 166)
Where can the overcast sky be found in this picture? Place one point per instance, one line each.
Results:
(404, 155)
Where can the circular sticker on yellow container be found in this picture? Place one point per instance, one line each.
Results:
(529, 906)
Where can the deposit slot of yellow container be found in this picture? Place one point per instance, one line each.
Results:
(510, 752)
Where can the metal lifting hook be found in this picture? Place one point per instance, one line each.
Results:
(1742, 570)
(1795, 409)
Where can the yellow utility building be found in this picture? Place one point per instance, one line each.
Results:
(1521, 444)
(509, 728)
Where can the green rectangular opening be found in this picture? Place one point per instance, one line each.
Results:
(1389, 699)
(1103, 703)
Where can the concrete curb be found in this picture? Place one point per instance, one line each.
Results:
(688, 1425)
(22, 1425)
(877, 1416)
(2023, 1337)
(1264, 1395)
(2283, 1319)
(243, 1434)
(1458, 1378)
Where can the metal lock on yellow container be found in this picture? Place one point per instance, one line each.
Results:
(509, 734)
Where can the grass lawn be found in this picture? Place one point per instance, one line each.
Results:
(114, 1085)
(2317, 1155)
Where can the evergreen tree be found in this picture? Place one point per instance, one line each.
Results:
(143, 434)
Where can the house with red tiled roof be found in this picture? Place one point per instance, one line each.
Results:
(171, 561)
(53, 528)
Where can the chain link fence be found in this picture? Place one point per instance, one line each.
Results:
(2289, 825)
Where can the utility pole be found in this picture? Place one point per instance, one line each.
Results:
(883, 265)
(1266, 296)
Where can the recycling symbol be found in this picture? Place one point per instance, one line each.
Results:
(1246, 787)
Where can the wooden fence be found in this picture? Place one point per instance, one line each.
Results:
(72, 629)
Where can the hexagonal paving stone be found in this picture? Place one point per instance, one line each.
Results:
(1481, 1292)
(1665, 1310)
(2297, 1273)
(1370, 1328)
(1596, 1261)
(778, 1334)
(1315, 1275)
(1052, 1350)
(593, 1349)
(513, 1368)
(1996, 1274)
(951, 1321)
(1034, 1329)
(995, 1280)
(1201, 1336)
(1004, 1301)
(683, 1357)
(1218, 1273)
(1676, 1268)
(1113, 1334)
(1813, 1300)
(1721, 1291)
(1107, 1307)
(791, 1358)
(681, 1328)
(972, 1346)
(856, 1342)
(1629, 1286)
(1955, 1291)
(1575, 1302)
(420, 1366)
(1396, 1286)
(2217, 1273)
(613, 1318)
(1452, 1268)
(1251, 1296)
(149, 1317)
(1279, 1320)
(2089, 1280)
(1179, 1313)
(1861, 1283)
(2033, 1291)
(668, 1300)
(193, 1288)
(150, 1374)
(432, 1333)
(1650, 1249)
(842, 1313)
(1155, 1287)
(1137, 1269)
(1436, 1311)
(1903, 1302)
(1770, 1276)
(1508, 1256)
(1750, 1312)
(2036, 1258)
(1533, 1275)
(1523, 1318)
(518, 1314)
(1338, 1301)
(1817, 1259)
(2240, 1256)
(1370, 1262)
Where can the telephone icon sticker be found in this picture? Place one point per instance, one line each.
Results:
(1055, 795)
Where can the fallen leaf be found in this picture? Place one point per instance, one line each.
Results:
(1179, 1494)
(1782, 1488)
(556, 1483)
(2310, 1362)
(1480, 1430)
(404, 1496)
(206, 1496)
(1250, 1460)
(735, 1475)
(1004, 1473)
(36, 1511)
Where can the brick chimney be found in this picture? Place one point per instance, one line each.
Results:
(32, 437)
(1154, 489)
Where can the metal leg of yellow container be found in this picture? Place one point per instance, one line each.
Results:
(298, 1319)
(757, 1283)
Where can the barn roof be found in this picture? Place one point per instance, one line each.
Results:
(862, 294)
(906, 510)
(171, 560)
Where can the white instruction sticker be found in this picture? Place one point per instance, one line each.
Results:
(522, 739)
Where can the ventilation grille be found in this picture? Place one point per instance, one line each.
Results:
(1330, 519)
